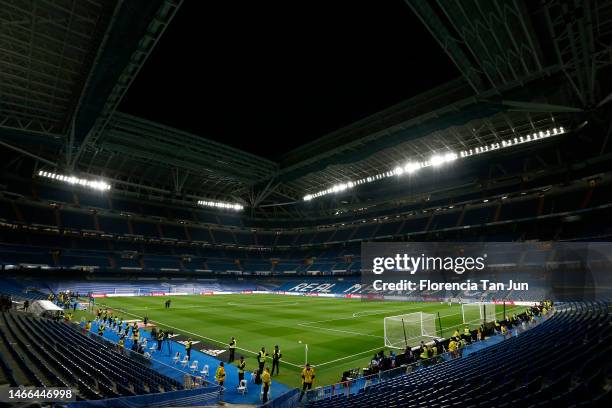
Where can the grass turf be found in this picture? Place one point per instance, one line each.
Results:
(341, 333)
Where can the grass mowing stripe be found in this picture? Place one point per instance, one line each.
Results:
(200, 336)
(266, 320)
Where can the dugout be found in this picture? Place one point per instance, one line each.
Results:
(45, 308)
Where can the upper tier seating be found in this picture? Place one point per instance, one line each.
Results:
(19, 292)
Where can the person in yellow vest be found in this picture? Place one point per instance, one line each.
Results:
(456, 334)
(460, 346)
(121, 342)
(452, 347)
(232, 350)
(87, 327)
(220, 374)
(504, 330)
(267, 380)
(261, 360)
(467, 333)
(101, 329)
(497, 326)
(308, 376)
(160, 339)
(479, 335)
(241, 367)
(136, 335)
(188, 348)
(424, 356)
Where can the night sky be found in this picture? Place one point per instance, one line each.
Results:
(270, 76)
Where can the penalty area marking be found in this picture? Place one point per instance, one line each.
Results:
(310, 325)
(344, 358)
(339, 331)
(355, 315)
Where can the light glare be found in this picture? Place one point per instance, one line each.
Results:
(439, 159)
(220, 204)
(93, 184)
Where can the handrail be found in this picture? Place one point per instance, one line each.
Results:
(354, 386)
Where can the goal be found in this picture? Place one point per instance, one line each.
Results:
(409, 329)
(477, 313)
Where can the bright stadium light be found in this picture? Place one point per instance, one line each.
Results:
(221, 204)
(439, 159)
(436, 160)
(449, 157)
(99, 185)
(514, 141)
(411, 167)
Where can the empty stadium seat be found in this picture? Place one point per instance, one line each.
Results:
(57, 354)
(542, 367)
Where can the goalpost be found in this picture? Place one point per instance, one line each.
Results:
(409, 329)
(477, 313)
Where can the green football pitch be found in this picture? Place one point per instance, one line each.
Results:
(341, 334)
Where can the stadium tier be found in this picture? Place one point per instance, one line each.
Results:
(297, 217)
(455, 214)
(44, 353)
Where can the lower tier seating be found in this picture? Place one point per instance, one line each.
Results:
(40, 352)
(562, 362)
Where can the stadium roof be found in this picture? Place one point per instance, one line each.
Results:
(65, 67)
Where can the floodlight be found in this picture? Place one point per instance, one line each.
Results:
(439, 159)
(436, 160)
(449, 157)
(219, 204)
(411, 167)
(93, 184)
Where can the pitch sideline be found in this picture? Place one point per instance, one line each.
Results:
(303, 324)
(200, 336)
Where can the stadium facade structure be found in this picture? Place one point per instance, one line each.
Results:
(526, 67)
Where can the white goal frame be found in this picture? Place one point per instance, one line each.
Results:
(423, 332)
(483, 315)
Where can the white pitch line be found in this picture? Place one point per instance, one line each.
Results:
(378, 348)
(204, 337)
(340, 331)
(307, 324)
(352, 355)
(355, 317)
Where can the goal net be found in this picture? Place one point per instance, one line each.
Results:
(409, 329)
(477, 313)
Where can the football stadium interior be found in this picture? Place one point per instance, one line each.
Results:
(150, 265)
